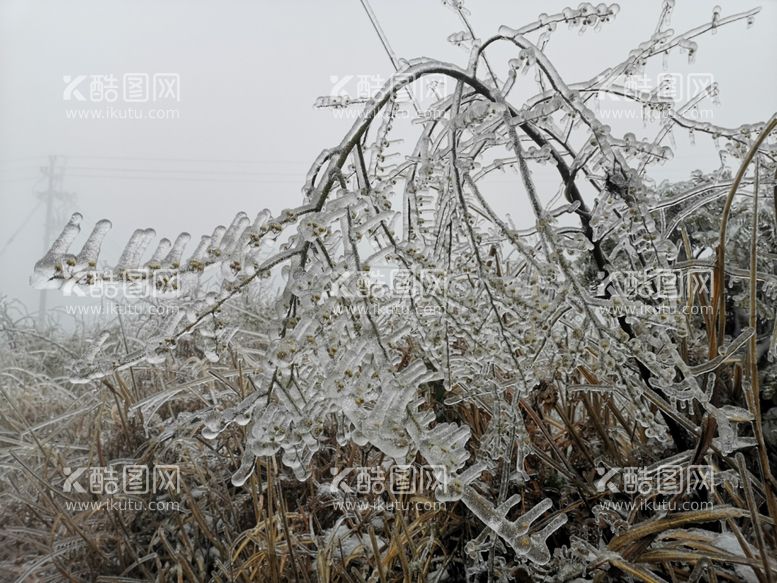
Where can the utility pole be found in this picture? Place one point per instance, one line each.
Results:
(48, 197)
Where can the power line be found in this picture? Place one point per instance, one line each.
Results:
(160, 158)
(288, 180)
(196, 160)
(7, 160)
(387, 47)
(21, 179)
(179, 171)
(21, 227)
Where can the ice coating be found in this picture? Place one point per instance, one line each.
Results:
(173, 258)
(216, 237)
(87, 258)
(162, 249)
(235, 230)
(515, 532)
(197, 260)
(138, 241)
(521, 314)
(49, 271)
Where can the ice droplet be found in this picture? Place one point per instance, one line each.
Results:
(242, 418)
(241, 476)
(213, 425)
(715, 19)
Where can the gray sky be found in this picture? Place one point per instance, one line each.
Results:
(249, 72)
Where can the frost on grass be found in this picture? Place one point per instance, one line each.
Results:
(416, 323)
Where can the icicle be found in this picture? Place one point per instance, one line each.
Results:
(48, 272)
(459, 39)
(232, 235)
(173, 259)
(87, 258)
(215, 240)
(715, 19)
(197, 259)
(162, 249)
(97, 344)
(130, 257)
(714, 90)
(692, 48)
(241, 476)
(533, 547)
(69, 233)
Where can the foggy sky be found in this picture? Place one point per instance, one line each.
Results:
(249, 74)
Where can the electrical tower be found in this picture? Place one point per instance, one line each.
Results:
(53, 194)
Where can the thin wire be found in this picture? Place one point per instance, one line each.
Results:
(197, 160)
(20, 179)
(185, 179)
(159, 159)
(181, 171)
(387, 47)
(19, 230)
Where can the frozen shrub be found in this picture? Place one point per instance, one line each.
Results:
(417, 324)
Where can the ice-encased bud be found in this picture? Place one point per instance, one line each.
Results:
(49, 271)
